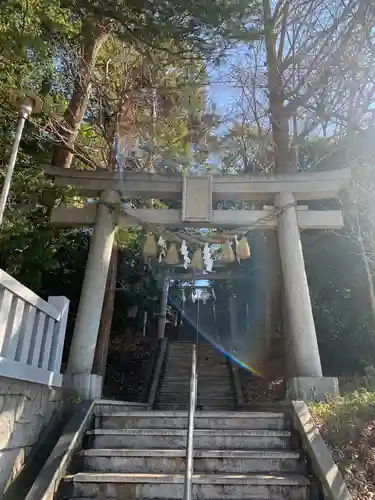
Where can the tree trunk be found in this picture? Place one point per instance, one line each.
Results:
(93, 38)
(101, 351)
(278, 116)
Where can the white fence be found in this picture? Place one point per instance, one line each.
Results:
(32, 333)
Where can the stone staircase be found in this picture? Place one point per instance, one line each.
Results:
(215, 384)
(141, 455)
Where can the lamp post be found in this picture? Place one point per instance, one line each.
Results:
(27, 104)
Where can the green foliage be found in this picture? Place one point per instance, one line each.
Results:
(342, 419)
(336, 261)
(340, 300)
(347, 425)
(194, 23)
(33, 35)
(149, 96)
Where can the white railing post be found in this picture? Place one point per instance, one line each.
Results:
(45, 348)
(5, 304)
(57, 346)
(37, 339)
(32, 333)
(26, 334)
(14, 327)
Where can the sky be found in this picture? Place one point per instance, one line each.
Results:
(220, 91)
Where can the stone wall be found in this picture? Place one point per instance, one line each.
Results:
(25, 408)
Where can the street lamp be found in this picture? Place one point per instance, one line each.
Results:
(27, 104)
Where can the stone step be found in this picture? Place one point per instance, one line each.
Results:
(202, 354)
(203, 361)
(204, 384)
(184, 377)
(177, 378)
(185, 395)
(213, 407)
(214, 404)
(206, 401)
(176, 438)
(215, 399)
(178, 387)
(173, 461)
(108, 405)
(174, 390)
(171, 395)
(213, 370)
(183, 406)
(171, 486)
(203, 420)
(215, 390)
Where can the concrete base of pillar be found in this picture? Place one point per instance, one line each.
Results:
(86, 386)
(312, 388)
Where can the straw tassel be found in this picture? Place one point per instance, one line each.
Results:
(243, 249)
(149, 247)
(197, 259)
(227, 254)
(172, 255)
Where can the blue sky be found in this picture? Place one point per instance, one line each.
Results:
(220, 91)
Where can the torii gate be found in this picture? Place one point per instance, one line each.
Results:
(282, 192)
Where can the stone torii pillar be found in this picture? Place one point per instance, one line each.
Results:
(308, 381)
(162, 319)
(82, 350)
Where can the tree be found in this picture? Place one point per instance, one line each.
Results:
(312, 74)
(303, 99)
(146, 108)
(191, 26)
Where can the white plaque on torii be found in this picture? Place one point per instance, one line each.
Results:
(197, 199)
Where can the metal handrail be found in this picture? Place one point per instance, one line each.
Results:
(190, 431)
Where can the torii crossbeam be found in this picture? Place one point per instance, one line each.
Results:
(197, 195)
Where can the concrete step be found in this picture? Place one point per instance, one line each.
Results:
(182, 376)
(212, 370)
(214, 387)
(226, 404)
(109, 405)
(175, 393)
(176, 438)
(171, 396)
(178, 396)
(179, 363)
(203, 420)
(214, 394)
(206, 402)
(171, 486)
(222, 385)
(184, 406)
(202, 359)
(205, 461)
